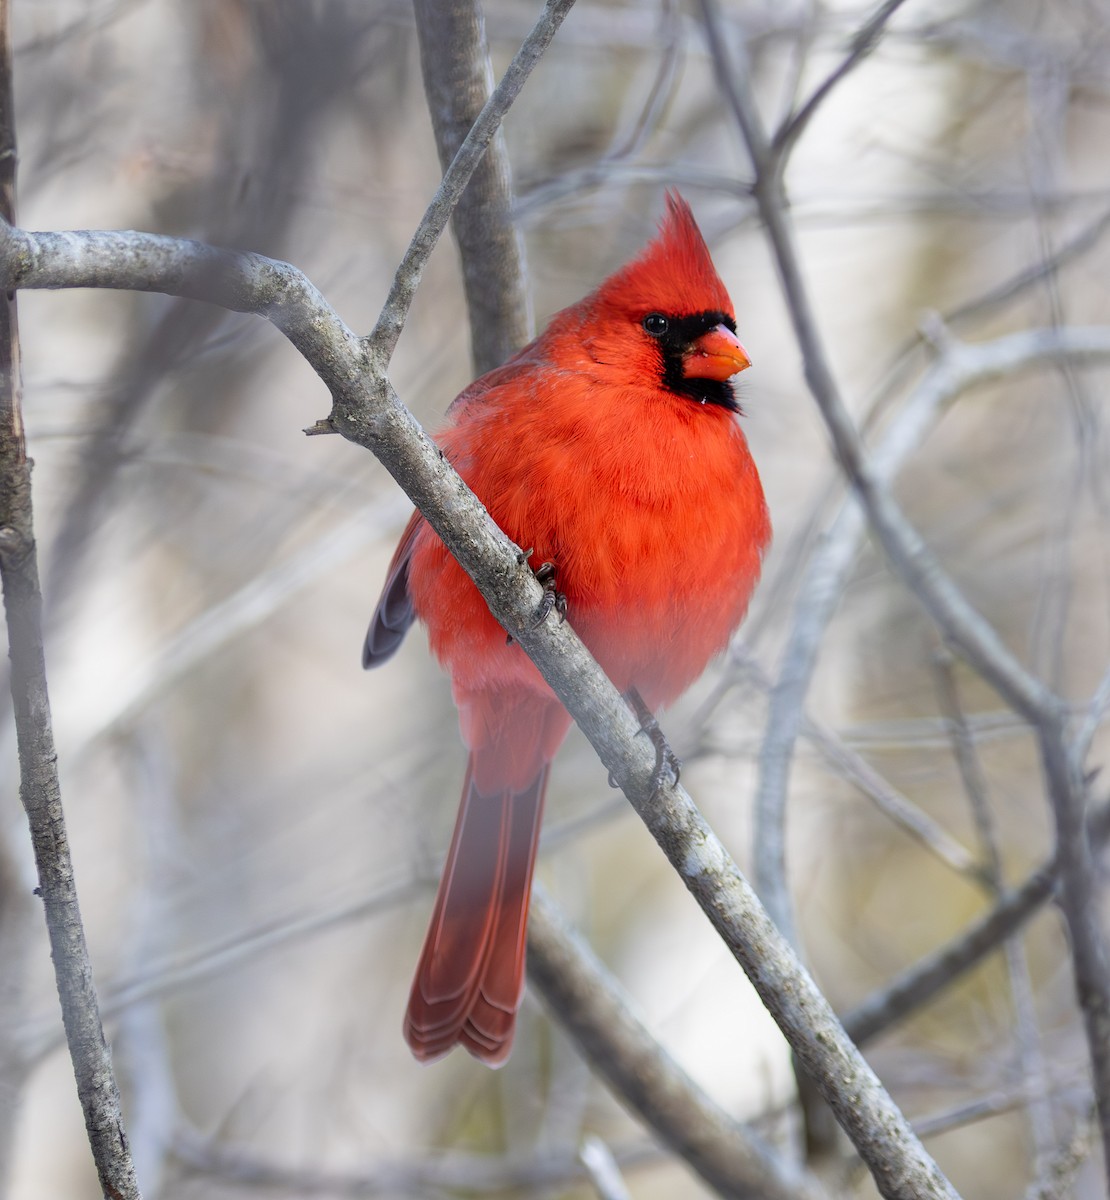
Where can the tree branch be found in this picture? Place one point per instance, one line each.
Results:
(962, 625)
(458, 79)
(589, 1002)
(39, 788)
(920, 983)
(904, 547)
(367, 411)
(958, 368)
(405, 282)
(863, 43)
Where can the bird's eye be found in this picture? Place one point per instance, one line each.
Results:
(656, 324)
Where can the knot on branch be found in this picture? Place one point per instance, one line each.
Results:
(14, 546)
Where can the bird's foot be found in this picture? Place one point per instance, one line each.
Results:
(553, 600)
(666, 761)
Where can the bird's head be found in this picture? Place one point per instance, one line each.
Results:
(667, 315)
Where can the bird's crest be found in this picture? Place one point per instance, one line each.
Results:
(673, 272)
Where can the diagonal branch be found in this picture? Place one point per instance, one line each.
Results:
(904, 546)
(589, 1002)
(367, 411)
(863, 43)
(921, 982)
(407, 279)
(458, 78)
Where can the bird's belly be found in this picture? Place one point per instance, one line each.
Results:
(666, 602)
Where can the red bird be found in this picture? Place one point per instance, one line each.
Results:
(610, 446)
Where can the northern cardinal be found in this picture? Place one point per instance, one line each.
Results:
(610, 447)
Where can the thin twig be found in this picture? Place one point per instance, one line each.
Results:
(1057, 1176)
(458, 78)
(429, 1175)
(958, 368)
(1030, 1059)
(604, 1170)
(863, 43)
(905, 549)
(1079, 902)
(383, 339)
(855, 769)
(920, 983)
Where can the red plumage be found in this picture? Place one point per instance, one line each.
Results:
(610, 446)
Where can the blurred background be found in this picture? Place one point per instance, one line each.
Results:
(257, 825)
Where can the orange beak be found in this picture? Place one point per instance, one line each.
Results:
(717, 354)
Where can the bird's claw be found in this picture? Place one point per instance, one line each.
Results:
(666, 761)
(553, 600)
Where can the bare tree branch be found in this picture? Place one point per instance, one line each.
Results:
(959, 367)
(603, 1169)
(368, 412)
(38, 762)
(962, 625)
(904, 547)
(589, 1002)
(457, 81)
(1057, 1178)
(405, 282)
(918, 984)
(428, 1175)
(863, 43)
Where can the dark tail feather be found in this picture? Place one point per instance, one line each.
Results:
(470, 978)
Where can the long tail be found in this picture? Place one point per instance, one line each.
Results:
(470, 977)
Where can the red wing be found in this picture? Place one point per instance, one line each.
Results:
(395, 613)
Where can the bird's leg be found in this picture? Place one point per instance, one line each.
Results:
(553, 599)
(666, 761)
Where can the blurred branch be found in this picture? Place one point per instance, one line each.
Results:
(586, 999)
(367, 411)
(256, 601)
(383, 340)
(1057, 1178)
(38, 762)
(1030, 1059)
(1096, 711)
(962, 626)
(863, 43)
(1079, 900)
(458, 78)
(603, 1169)
(431, 1174)
(958, 367)
(856, 770)
(904, 546)
(920, 983)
